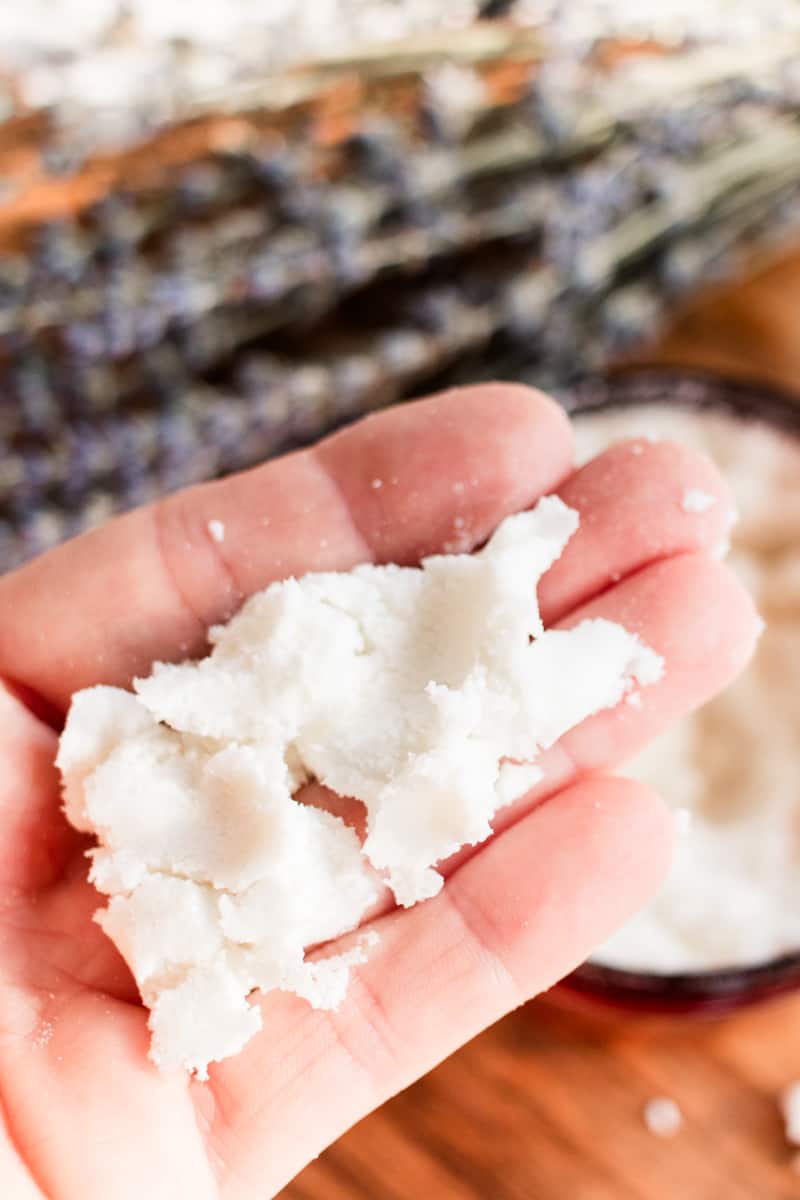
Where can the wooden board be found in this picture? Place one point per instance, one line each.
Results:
(548, 1106)
(748, 330)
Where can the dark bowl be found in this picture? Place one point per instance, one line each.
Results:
(700, 993)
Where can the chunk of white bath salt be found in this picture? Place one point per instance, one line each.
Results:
(223, 817)
(217, 530)
(284, 911)
(443, 682)
(164, 925)
(115, 871)
(323, 982)
(281, 658)
(203, 1018)
(514, 780)
(696, 501)
(100, 719)
(426, 694)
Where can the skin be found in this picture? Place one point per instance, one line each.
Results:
(83, 1113)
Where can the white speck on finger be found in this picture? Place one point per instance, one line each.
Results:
(696, 501)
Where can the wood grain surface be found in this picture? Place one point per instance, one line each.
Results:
(547, 1105)
(748, 330)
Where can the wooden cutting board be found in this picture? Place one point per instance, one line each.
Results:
(747, 330)
(548, 1106)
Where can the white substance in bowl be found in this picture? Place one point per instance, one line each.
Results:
(425, 694)
(733, 896)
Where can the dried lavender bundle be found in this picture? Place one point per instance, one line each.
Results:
(334, 238)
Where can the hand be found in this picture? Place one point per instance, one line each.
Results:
(83, 1113)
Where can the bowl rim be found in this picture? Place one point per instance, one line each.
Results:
(691, 388)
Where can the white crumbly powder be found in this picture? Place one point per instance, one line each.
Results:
(217, 530)
(696, 501)
(733, 896)
(662, 1116)
(790, 1110)
(425, 694)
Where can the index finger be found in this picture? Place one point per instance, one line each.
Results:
(423, 477)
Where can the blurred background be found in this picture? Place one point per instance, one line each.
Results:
(228, 226)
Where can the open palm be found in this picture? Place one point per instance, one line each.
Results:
(83, 1113)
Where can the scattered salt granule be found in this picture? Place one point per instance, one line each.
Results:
(662, 1116)
(695, 501)
(790, 1109)
(44, 1034)
(427, 693)
(217, 530)
(376, 483)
